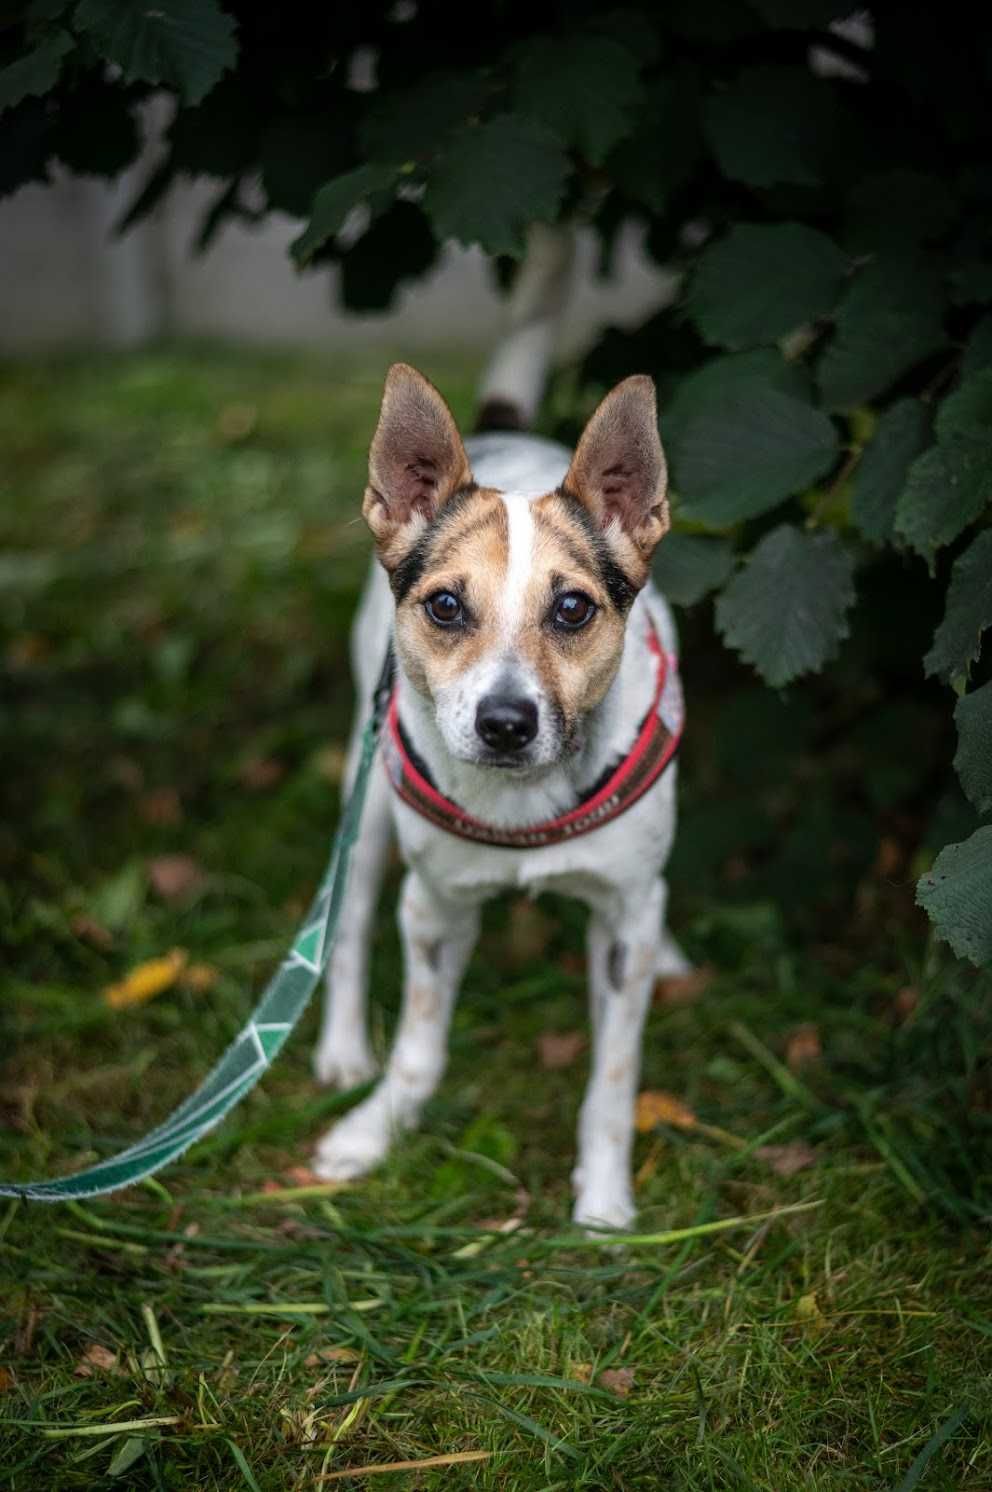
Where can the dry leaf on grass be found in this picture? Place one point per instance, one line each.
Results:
(172, 876)
(88, 930)
(581, 1372)
(330, 1354)
(786, 1160)
(905, 1003)
(559, 1048)
(617, 1380)
(261, 772)
(200, 977)
(809, 1313)
(301, 1176)
(528, 933)
(146, 980)
(97, 1359)
(654, 1106)
(683, 989)
(803, 1047)
(330, 762)
(161, 806)
(6, 1380)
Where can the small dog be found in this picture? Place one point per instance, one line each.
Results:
(530, 736)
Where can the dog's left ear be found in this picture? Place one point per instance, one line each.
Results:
(417, 460)
(618, 471)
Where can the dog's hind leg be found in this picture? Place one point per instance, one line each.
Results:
(438, 938)
(343, 1056)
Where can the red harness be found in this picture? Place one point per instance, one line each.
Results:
(656, 744)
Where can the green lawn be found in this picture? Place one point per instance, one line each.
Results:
(181, 558)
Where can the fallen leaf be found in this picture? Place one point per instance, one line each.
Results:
(330, 762)
(809, 1313)
(25, 651)
(617, 1380)
(96, 1359)
(905, 1002)
(6, 1380)
(654, 1106)
(803, 1047)
(88, 930)
(161, 807)
(331, 1354)
(559, 1048)
(301, 1176)
(786, 1160)
(146, 980)
(889, 859)
(529, 931)
(581, 1371)
(173, 876)
(683, 989)
(236, 421)
(200, 978)
(261, 772)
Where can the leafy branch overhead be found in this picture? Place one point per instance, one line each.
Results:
(824, 193)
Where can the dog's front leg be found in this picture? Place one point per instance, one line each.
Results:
(438, 938)
(623, 955)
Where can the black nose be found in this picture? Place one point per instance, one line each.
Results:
(506, 724)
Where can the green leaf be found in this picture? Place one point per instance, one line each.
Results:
(582, 88)
(494, 180)
(785, 611)
(36, 72)
(957, 895)
(688, 566)
(398, 246)
(890, 319)
(973, 761)
(895, 209)
(332, 204)
(978, 353)
(298, 154)
(747, 448)
(900, 435)
(761, 282)
(410, 124)
(128, 1454)
(772, 125)
(949, 485)
(186, 44)
(968, 611)
(660, 153)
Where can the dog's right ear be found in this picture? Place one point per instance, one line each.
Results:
(417, 461)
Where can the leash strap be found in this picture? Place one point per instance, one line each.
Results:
(262, 1037)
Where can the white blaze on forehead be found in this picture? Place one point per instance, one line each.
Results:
(520, 560)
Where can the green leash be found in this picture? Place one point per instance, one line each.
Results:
(261, 1039)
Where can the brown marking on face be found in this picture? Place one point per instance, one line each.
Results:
(467, 555)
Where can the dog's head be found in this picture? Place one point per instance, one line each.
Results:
(510, 610)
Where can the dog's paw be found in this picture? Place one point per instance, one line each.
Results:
(338, 1066)
(352, 1148)
(599, 1209)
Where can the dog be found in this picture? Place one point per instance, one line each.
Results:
(530, 738)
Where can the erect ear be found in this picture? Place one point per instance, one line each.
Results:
(618, 470)
(416, 462)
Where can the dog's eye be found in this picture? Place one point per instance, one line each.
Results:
(573, 610)
(443, 608)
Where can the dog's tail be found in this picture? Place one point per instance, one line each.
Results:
(513, 384)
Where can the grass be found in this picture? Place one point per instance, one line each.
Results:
(181, 564)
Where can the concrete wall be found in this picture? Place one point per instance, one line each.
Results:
(66, 279)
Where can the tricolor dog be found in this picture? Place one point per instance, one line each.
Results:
(529, 742)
